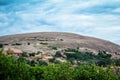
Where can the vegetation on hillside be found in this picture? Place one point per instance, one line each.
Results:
(101, 58)
(18, 69)
(74, 56)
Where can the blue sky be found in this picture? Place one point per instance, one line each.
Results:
(97, 18)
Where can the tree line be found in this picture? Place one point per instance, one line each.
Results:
(13, 69)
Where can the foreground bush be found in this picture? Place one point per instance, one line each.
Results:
(11, 69)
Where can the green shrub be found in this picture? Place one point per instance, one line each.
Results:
(53, 47)
(52, 60)
(42, 63)
(58, 54)
(38, 52)
(28, 43)
(31, 54)
(116, 62)
(1, 45)
(44, 43)
(18, 44)
(24, 54)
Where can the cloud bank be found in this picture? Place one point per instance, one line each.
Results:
(98, 18)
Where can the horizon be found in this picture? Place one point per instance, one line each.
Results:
(100, 18)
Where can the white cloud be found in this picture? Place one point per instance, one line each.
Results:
(117, 10)
(63, 15)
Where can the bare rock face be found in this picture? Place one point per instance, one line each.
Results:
(33, 42)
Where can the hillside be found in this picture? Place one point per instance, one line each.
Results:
(60, 47)
(67, 40)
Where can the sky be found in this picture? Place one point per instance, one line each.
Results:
(96, 18)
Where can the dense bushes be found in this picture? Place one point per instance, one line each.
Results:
(12, 69)
(101, 59)
(58, 54)
(116, 62)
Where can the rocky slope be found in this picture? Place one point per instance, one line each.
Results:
(33, 42)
